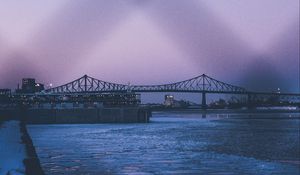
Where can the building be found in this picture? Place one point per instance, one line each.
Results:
(5, 92)
(39, 87)
(4, 95)
(30, 86)
(169, 100)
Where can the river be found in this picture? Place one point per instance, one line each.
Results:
(174, 143)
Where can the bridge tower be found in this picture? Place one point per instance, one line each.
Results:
(203, 105)
(85, 82)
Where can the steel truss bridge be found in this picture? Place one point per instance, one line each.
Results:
(201, 84)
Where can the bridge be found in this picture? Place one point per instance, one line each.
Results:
(201, 84)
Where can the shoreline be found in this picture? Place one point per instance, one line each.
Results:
(19, 155)
(31, 162)
(78, 115)
(226, 111)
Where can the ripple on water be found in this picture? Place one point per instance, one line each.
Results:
(173, 144)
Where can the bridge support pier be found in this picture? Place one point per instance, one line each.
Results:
(249, 101)
(203, 105)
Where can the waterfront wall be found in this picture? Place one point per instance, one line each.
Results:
(31, 162)
(18, 155)
(80, 115)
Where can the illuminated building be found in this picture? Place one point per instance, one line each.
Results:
(169, 100)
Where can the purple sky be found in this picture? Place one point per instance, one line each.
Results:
(251, 43)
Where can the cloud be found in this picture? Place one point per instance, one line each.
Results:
(279, 67)
(60, 47)
(16, 66)
(285, 53)
(212, 45)
(67, 37)
(140, 52)
(261, 75)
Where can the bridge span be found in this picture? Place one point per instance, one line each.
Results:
(202, 84)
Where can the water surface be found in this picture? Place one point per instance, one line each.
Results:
(174, 143)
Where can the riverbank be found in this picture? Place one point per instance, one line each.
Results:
(226, 111)
(17, 153)
(78, 115)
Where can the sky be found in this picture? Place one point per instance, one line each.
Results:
(249, 43)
